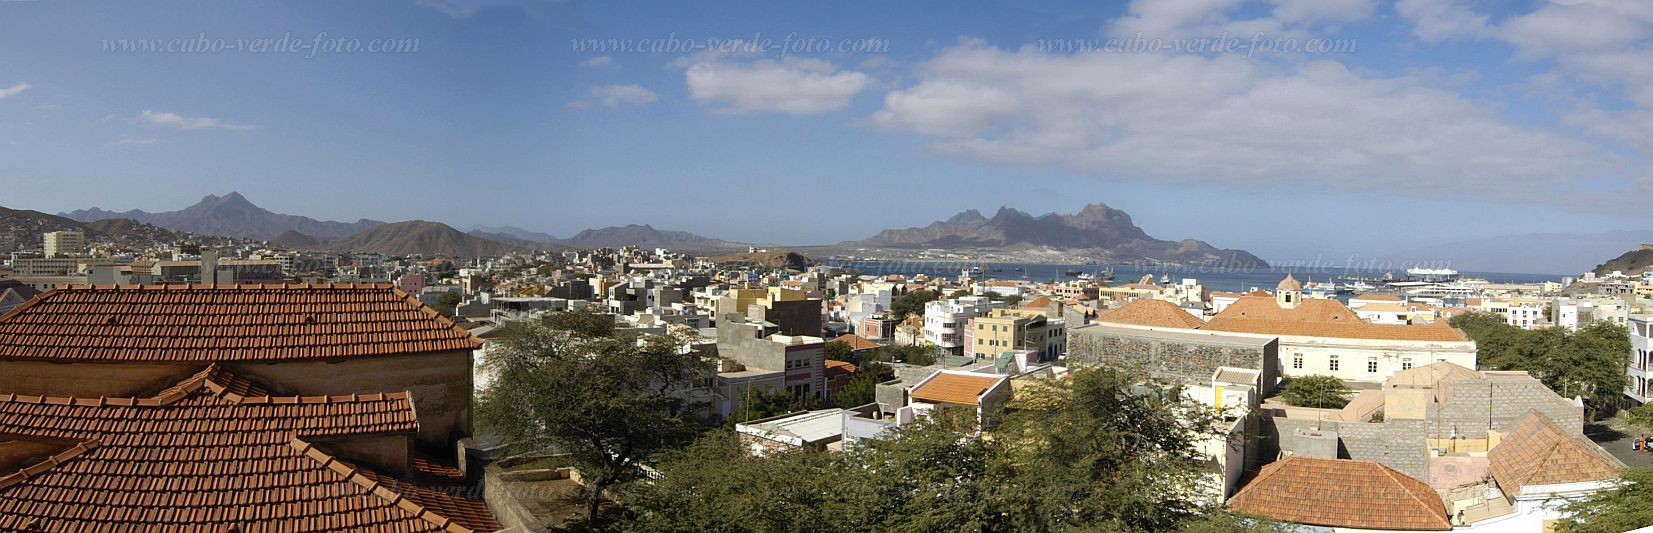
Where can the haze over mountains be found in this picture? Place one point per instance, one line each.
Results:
(421, 237)
(1105, 233)
(231, 215)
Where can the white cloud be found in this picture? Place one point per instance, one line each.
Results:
(189, 123)
(1228, 121)
(1440, 20)
(1559, 28)
(793, 86)
(617, 95)
(131, 140)
(448, 7)
(14, 89)
(1323, 10)
(600, 62)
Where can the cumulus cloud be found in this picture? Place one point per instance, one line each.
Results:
(175, 120)
(132, 140)
(14, 89)
(1440, 20)
(1323, 10)
(600, 62)
(793, 86)
(1229, 121)
(618, 95)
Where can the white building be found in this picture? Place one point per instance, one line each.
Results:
(1641, 357)
(945, 320)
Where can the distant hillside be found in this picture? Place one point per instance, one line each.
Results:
(131, 233)
(640, 235)
(1632, 263)
(1098, 230)
(233, 216)
(293, 239)
(1562, 253)
(771, 259)
(514, 233)
(516, 242)
(420, 237)
(21, 228)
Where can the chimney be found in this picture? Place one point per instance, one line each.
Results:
(209, 267)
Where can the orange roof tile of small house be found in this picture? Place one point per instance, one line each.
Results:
(198, 323)
(955, 388)
(203, 456)
(1150, 312)
(1537, 452)
(856, 342)
(1342, 493)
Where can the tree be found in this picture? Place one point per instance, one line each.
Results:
(447, 303)
(612, 404)
(862, 388)
(1325, 392)
(912, 303)
(1640, 417)
(1588, 363)
(1622, 508)
(959, 293)
(839, 351)
(1086, 454)
(764, 404)
(583, 321)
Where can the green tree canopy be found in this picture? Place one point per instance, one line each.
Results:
(839, 351)
(1589, 362)
(1625, 507)
(1086, 455)
(912, 303)
(1325, 392)
(584, 321)
(611, 404)
(447, 303)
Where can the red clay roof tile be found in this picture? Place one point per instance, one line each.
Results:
(225, 323)
(197, 457)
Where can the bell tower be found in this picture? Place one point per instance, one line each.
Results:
(1288, 293)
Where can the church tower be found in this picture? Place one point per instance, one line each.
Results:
(1288, 293)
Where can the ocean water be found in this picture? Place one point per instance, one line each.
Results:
(1220, 278)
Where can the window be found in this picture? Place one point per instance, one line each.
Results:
(1406, 363)
(1297, 361)
(1371, 365)
(1331, 364)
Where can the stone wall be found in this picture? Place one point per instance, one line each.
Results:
(1398, 444)
(1167, 357)
(1498, 404)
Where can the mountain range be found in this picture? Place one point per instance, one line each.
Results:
(22, 229)
(421, 237)
(1103, 232)
(610, 237)
(231, 215)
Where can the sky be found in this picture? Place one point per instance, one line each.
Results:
(1294, 129)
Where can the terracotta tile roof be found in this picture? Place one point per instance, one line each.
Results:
(1342, 493)
(1537, 452)
(1038, 303)
(1149, 312)
(856, 342)
(1378, 298)
(226, 323)
(1358, 329)
(955, 388)
(201, 456)
(1310, 310)
(838, 368)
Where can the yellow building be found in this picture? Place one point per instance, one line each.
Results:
(1005, 330)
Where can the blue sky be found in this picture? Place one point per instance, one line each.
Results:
(1424, 122)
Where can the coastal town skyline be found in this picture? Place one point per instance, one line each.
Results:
(1526, 132)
